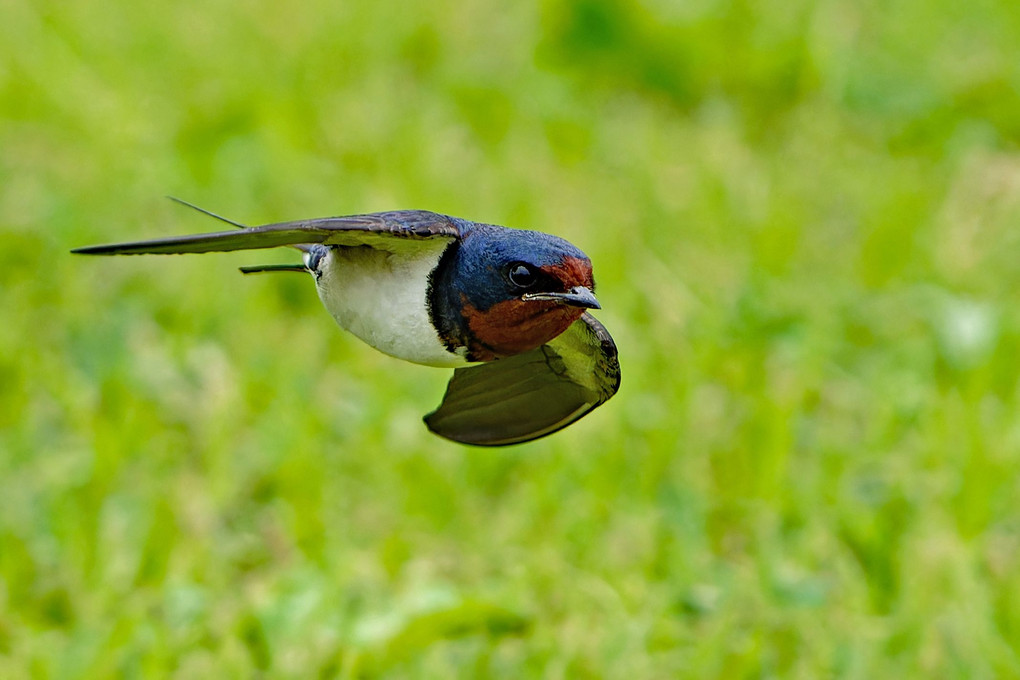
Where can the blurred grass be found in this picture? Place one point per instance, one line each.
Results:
(803, 217)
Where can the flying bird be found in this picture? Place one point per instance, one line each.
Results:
(506, 308)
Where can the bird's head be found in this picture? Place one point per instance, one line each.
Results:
(500, 292)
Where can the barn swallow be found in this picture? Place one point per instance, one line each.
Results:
(506, 308)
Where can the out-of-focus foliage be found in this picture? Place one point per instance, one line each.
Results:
(804, 221)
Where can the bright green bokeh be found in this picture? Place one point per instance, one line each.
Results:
(805, 223)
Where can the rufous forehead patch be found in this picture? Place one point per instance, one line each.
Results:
(572, 271)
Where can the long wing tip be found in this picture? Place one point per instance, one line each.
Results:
(505, 434)
(437, 428)
(95, 250)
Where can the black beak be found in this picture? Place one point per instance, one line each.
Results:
(578, 296)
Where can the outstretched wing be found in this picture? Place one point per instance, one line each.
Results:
(381, 230)
(533, 394)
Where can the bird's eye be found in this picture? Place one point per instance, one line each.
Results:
(521, 275)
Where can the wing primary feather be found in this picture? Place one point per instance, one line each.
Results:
(379, 230)
(268, 236)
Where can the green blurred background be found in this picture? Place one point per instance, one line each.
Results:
(803, 217)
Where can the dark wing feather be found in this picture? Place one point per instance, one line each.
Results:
(533, 394)
(381, 230)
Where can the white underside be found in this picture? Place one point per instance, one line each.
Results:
(381, 297)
